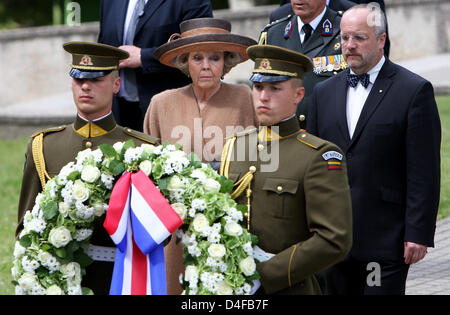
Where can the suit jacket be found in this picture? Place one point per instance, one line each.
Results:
(286, 9)
(393, 158)
(300, 208)
(160, 20)
(316, 46)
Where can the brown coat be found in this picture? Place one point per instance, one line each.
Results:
(174, 116)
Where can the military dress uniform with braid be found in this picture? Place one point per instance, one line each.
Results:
(49, 150)
(300, 211)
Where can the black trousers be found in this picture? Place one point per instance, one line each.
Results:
(128, 114)
(356, 277)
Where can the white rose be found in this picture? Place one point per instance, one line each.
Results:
(64, 208)
(90, 173)
(19, 250)
(175, 183)
(216, 250)
(59, 237)
(148, 148)
(28, 281)
(80, 191)
(200, 223)
(99, 209)
(83, 155)
(72, 271)
(180, 209)
(177, 154)
(224, 289)
(118, 146)
(233, 229)
(211, 185)
(191, 273)
(54, 290)
(247, 266)
(146, 167)
(45, 257)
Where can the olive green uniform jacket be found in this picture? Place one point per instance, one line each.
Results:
(60, 146)
(300, 209)
(284, 33)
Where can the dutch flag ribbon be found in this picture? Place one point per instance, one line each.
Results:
(138, 220)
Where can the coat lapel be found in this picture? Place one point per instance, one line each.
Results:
(379, 90)
(122, 9)
(149, 10)
(317, 42)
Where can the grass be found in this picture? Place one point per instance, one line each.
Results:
(11, 164)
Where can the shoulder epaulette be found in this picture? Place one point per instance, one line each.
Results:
(310, 140)
(278, 21)
(140, 135)
(50, 130)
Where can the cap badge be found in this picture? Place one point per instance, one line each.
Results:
(265, 64)
(86, 61)
(327, 28)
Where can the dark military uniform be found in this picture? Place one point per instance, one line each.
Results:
(294, 185)
(323, 47)
(60, 146)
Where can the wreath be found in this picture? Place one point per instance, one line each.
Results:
(50, 255)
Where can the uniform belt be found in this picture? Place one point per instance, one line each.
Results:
(102, 253)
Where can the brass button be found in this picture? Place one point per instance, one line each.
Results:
(302, 117)
(280, 188)
(260, 147)
(88, 144)
(252, 169)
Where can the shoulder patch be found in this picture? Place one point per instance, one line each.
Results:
(310, 140)
(141, 136)
(243, 133)
(50, 130)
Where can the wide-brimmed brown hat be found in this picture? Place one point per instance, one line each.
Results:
(203, 34)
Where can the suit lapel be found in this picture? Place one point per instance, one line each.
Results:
(294, 40)
(379, 90)
(341, 107)
(149, 10)
(122, 9)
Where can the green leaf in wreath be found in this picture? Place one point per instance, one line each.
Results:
(128, 144)
(226, 185)
(194, 160)
(25, 240)
(83, 259)
(74, 176)
(116, 167)
(108, 150)
(50, 210)
(61, 252)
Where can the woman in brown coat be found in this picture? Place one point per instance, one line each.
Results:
(201, 115)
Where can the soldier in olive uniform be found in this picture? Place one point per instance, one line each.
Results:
(294, 184)
(94, 81)
(314, 30)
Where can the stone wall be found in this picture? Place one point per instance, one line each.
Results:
(34, 65)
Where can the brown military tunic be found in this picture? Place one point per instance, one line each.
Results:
(300, 206)
(60, 146)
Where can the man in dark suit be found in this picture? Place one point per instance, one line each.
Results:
(315, 32)
(142, 75)
(386, 121)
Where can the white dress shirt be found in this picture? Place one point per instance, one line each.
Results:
(357, 96)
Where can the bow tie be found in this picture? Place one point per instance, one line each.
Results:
(352, 79)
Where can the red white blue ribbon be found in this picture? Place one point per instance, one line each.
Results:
(138, 220)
